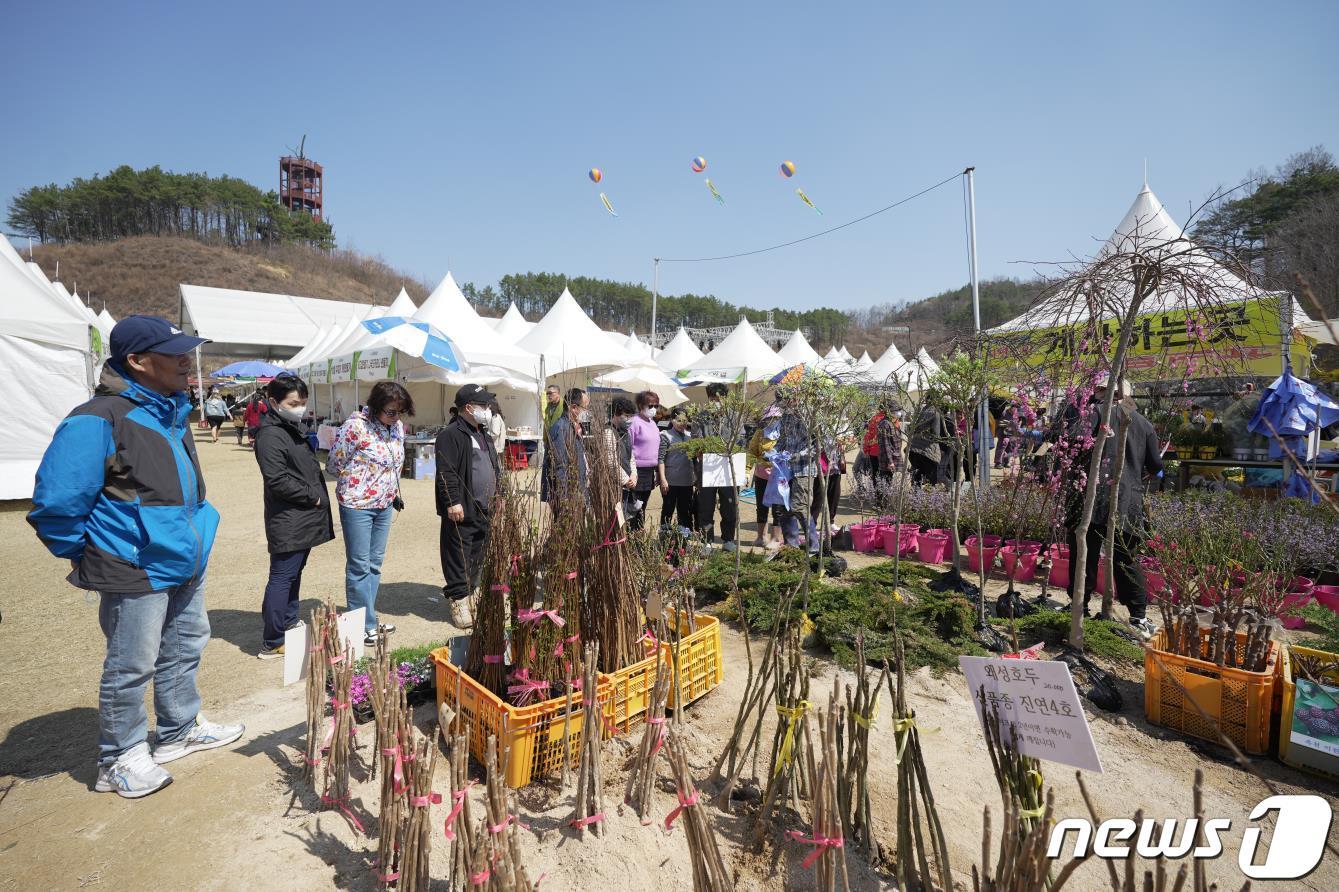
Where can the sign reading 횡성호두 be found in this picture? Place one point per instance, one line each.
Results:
(1038, 698)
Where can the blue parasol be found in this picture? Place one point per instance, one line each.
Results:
(249, 368)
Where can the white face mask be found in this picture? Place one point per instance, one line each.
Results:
(649, 413)
(482, 414)
(294, 415)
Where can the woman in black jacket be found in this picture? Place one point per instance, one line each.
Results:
(297, 506)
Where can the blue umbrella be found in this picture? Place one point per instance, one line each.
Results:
(249, 368)
(1294, 409)
(417, 339)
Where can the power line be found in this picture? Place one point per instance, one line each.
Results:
(816, 234)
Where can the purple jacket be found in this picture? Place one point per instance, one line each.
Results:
(645, 439)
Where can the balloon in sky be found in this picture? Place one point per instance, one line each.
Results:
(788, 169)
(595, 175)
(805, 198)
(699, 164)
(610, 208)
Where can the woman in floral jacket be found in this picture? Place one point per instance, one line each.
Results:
(367, 458)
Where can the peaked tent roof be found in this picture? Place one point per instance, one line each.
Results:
(679, 353)
(513, 326)
(568, 339)
(28, 311)
(926, 361)
(864, 362)
(1148, 228)
(845, 354)
(636, 347)
(741, 348)
(887, 365)
(483, 349)
(797, 350)
(362, 339)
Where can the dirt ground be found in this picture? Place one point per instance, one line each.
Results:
(240, 818)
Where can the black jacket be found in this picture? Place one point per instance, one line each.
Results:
(297, 502)
(1142, 459)
(455, 474)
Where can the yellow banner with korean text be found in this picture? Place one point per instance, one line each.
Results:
(1236, 339)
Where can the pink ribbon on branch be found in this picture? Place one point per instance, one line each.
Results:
(586, 822)
(534, 616)
(820, 843)
(457, 803)
(684, 802)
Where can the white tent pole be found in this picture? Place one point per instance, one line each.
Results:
(200, 380)
(982, 415)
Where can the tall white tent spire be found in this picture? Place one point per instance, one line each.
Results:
(568, 340)
(742, 349)
(447, 310)
(679, 353)
(797, 350)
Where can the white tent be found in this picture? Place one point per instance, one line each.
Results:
(742, 350)
(887, 365)
(569, 340)
(637, 348)
(491, 358)
(513, 326)
(44, 350)
(864, 363)
(107, 319)
(926, 361)
(845, 354)
(679, 353)
(256, 323)
(644, 375)
(797, 350)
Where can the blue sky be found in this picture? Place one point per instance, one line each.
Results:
(460, 134)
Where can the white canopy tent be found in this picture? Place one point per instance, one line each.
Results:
(743, 350)
(679, 353)
(45, 350)
(845, 354)
(637, 348)
(797, 350)
(569, 341)
(643, 375)
(512, 326)
(888, 365)
(260, 324)
(864, 363)
(926, 361)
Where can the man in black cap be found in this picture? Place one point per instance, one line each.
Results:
(467, 481)
(119, 495)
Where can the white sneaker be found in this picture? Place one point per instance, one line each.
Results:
(1144, 628)
(133, 775)
(206, 735)
(461, 617)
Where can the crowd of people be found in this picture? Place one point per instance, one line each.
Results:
(120, 495)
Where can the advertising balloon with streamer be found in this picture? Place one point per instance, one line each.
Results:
(714, 193)
(595, 175)
(699, 164)
(805, 198)
(788, 169)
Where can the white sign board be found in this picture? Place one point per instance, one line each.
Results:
(1038, 698)
(295, 644)
(716, 470)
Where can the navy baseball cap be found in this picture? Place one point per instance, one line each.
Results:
(150, 334)
(473, 393)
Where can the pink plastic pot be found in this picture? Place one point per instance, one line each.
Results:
(932, 545)
(1294, 601)
(867, 536)
(900, 540)
(1024, 546)
(1019, 565)
(981, 549)
(1102, 577)
(1059, 566)
(1327, 596)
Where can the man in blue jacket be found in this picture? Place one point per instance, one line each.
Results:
(120, 496)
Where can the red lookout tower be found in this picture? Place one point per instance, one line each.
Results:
(300, 183)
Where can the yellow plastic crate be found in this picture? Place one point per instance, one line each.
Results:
(1238, 703)
(1304, 757)
(700, 663)
(630, 695)
(533, 734)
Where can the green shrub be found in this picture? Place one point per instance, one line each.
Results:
(1052, 627)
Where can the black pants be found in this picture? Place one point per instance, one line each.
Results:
(924, 471)
(642, 489)
(279, 609)
(1130, 586)
(828, 497)
(462, 546)
(706, 511)
(759, 490)
(679, 500)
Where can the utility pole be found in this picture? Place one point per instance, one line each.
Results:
(983, 411)
(655, 297)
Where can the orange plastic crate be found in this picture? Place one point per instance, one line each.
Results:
(533, 734)
(1304, 757)
(697, 657)
(1238, 703)
(630, 694)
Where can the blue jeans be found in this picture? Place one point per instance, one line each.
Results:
(279, 607)
(365, 533)
(158, 637)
